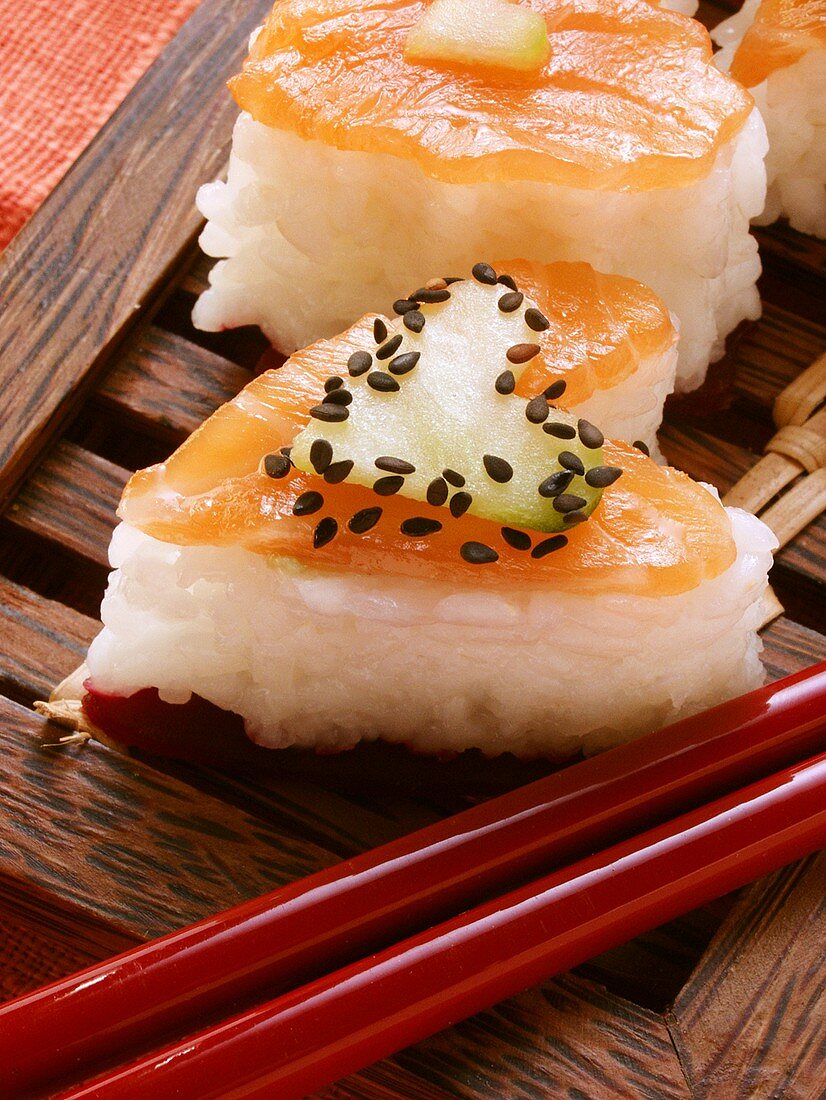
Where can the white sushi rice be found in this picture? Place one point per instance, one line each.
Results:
(685, 7)
(312, 237)
(323, 659)
(633, 409)
(792, 102)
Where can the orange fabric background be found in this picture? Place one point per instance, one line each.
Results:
(65, 65)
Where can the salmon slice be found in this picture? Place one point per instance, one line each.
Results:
(628, 100)
(655, 532)
(782, 32)
(600, 327)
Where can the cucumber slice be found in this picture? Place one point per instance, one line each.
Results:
(480, 32)
(432, 404)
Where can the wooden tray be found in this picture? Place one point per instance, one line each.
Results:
(101, 372)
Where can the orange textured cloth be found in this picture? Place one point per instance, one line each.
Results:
(64, 68)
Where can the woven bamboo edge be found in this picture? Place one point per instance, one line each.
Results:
(787, 487)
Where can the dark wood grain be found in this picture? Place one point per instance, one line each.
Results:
(103, 243)
(568, 1038)
(44, 938)
(43, 641)
(139, 851)
(70, 499)
(99, 850)
(750, 1022)
(773, 352)
(166, 385)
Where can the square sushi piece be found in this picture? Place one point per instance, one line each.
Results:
(410, 532)
(777, 49)
(359, 164)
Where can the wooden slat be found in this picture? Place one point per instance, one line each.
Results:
(166, 385)
(790, 647)
(773, 353)
(750, 1021)
(137, 850)
(70, 499)
(101, 245)
(43, 641)
(44, 940)
(568, 1038)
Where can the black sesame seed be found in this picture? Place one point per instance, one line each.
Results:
(329, 413)
(459, 504)
(333, 383)
(404, 305)
(568, 502)
(364, 520)
(454, 479)
(560, 431)
(359, 363)
(437, 492)
(414, 320)
(387, 486)
(547, 546)
(321, 455)
(326, 530)
(522, 353)
(419, 526)
(536, 320)
(497, 469)
(505, 383)
(510, 302)
(431, 296)
(537, 409)
(449, 280)
(508, 281)
(569, 461)
(600, 477)
(336, 472)
(339, 397)
(308, 503)
(519, 540)
(555, 484)
(484, 273)
(570, 519)
(379, 331)
(404, 362)
(592, 437)
(276, 465)
(477, 553)
(638, 443)
(390, 348)
(394, 465)
(556, 389)
(285, 451)
(382, 382)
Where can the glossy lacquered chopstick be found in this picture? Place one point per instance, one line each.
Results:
(309, 1037)
(284, 938)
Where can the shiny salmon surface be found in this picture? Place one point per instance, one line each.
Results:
(782, 32)
(628, 100)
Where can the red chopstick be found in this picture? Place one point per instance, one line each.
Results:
(311, 1036)
(293, 934)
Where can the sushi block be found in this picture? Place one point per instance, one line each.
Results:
(401, 534)
(374, 147)
(777, 49)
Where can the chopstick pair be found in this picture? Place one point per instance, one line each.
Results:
(401, 900)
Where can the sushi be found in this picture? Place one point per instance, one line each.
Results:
(356, 166)
(777, 49)
(400, 534)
